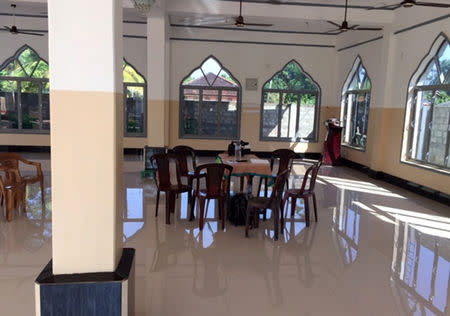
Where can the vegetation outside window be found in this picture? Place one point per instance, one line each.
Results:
(210, 102)
(427, 127)
(24, 93)
(290, 106)
(355, 106)
(135, 101)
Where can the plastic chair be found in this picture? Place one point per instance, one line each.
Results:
(285, 158)
(217, 178)
(258, 204)
(12, 194)
(304, 192)
(164, 181)
(10, 161)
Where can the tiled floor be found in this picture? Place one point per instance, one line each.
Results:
(376, 250)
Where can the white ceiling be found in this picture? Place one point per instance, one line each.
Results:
(294, 15)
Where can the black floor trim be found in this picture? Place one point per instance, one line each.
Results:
(424, 191)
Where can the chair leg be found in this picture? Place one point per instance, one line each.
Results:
(281, 210)
(247, 220)
(201, 201)
(293, 205)
(168, 198)
(266, 189)
(283, 203)
(192, 216)
(190, 181)
(157, 202)
(315, 205)
(306, 199)
(9, 202)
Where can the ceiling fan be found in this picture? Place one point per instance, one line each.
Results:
(14, 30)
(411, 3)
(344, 27)
(237, 21)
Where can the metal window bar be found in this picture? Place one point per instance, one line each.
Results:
(428, 126)
(299, 94)
(40, 82)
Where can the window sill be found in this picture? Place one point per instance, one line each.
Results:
(361, 149)
(207, 137)
(285, 140)
(427, 167)
(24, 132)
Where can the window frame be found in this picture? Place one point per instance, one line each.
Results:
(40, 81)
(345, 92)
(412, 107)
(219, 90)
(299, 93)
(134, 84)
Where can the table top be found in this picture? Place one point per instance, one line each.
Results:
(251, 166)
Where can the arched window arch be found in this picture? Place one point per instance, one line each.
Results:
(290, 106)
(427, 120)
(24, 93)
(355, 106)
(210, 102)
(135, 101)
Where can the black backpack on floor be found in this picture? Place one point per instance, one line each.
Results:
(237, 208)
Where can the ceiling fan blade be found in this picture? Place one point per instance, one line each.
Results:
(205, 21)
(368, 29)
(258, 24)
(354, 27)
(30, 33)
(386, 7)
(7, 28)
(433, 4)
(332, 23)
(332, 31)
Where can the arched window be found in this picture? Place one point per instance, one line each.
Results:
(135, 101)
(290, 106)
(210, 102)
(25, 102)
(427, 121)
(24, 93)
(355, 106)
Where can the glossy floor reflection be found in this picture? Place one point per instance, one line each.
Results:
(376, 250)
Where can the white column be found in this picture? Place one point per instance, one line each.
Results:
(158, 73)
(383, 92)
(85, 57)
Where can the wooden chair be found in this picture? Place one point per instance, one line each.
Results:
(184, 153)
(258, 204)
(305, 191)
(12, 194)
(10, 161)
(217, 178)
(285, 158)
(164, 174)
